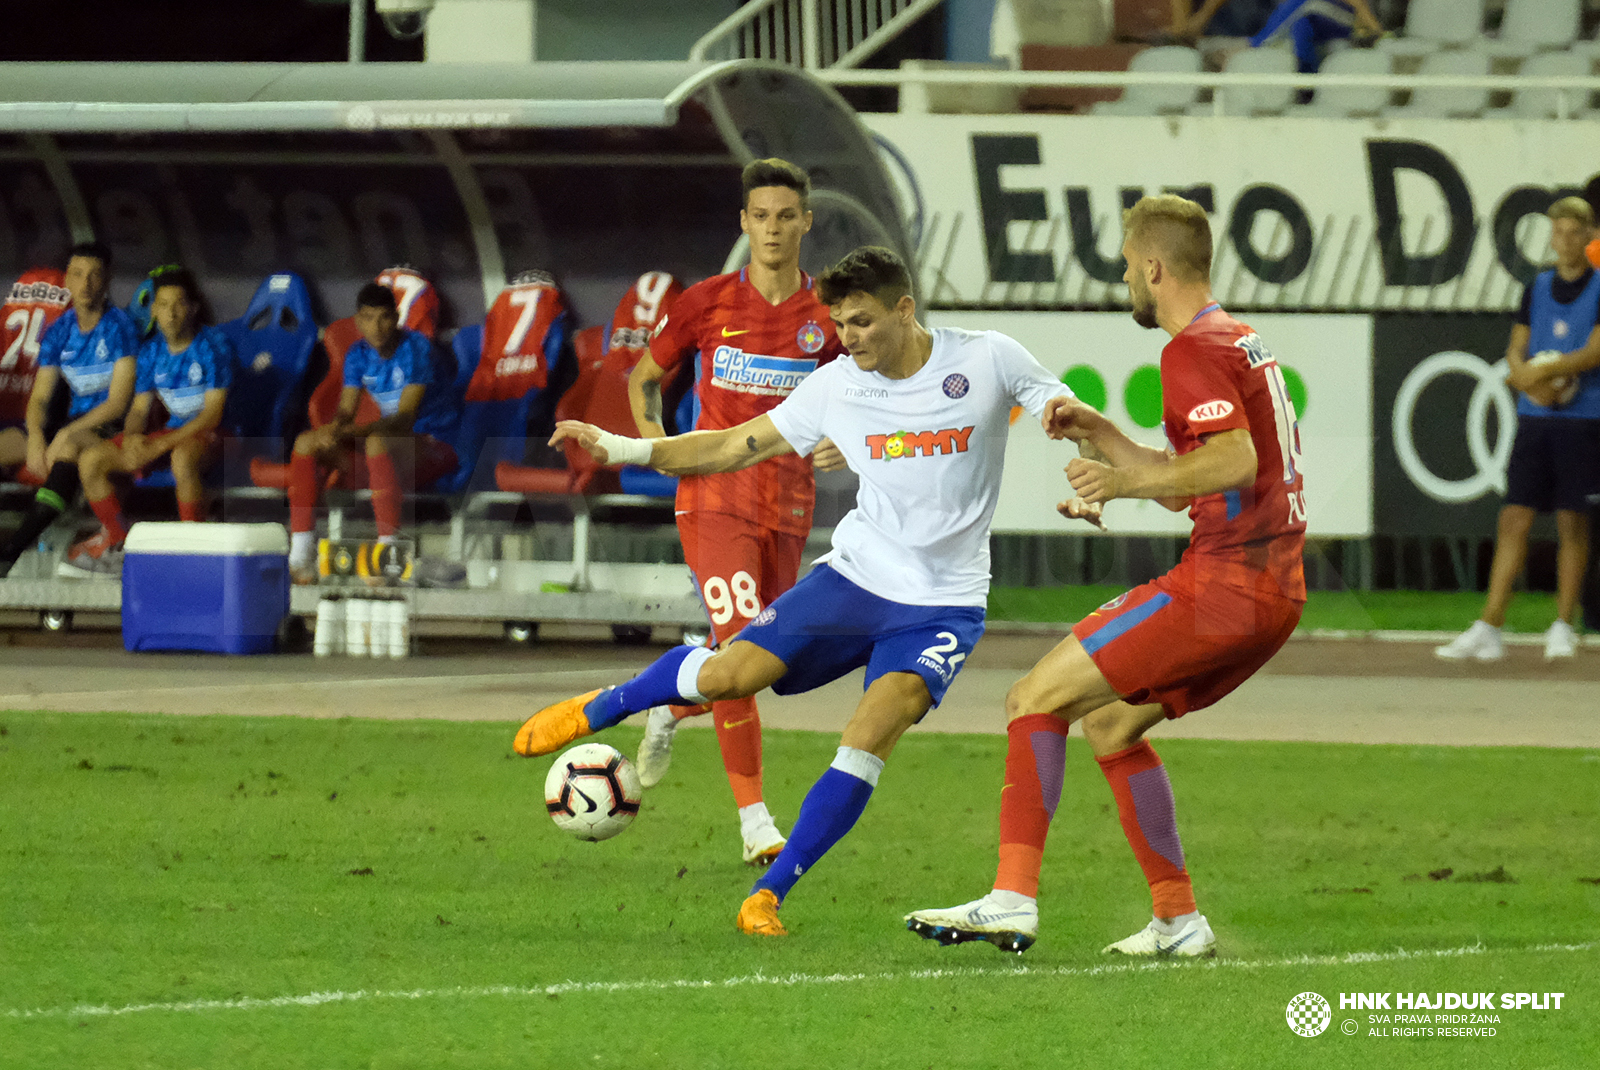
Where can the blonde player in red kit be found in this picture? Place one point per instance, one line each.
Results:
(757, 333)
(1178, 643)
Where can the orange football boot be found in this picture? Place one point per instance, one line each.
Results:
(758, 916)
(554, 727)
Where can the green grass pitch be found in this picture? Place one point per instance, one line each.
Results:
(217, 892)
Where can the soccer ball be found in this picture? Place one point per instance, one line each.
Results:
(592, 791)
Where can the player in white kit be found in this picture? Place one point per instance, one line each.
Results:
(922, 417)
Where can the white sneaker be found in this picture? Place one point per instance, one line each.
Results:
(1010, 928)
(1560, 641)
(655, 749)
(1481, 642)
(1194, 940)
(762, 841)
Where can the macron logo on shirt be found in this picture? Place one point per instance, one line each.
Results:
(910, 443)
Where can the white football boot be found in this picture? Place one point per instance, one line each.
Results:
(1561, 641)
(762, 840)
(655, 749)
(1009, 926)
(1194, 939)
(1481, 642)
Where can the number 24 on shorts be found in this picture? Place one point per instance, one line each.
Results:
(724, 598)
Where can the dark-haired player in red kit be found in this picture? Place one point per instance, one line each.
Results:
(757, 332)
(1176, 644)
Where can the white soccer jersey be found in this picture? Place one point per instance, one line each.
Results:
(929, 451)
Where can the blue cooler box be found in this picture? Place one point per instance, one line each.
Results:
(218, 587)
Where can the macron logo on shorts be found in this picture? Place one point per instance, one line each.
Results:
(1210, 410)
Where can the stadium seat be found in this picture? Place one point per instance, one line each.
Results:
(1156, 99)
(1448, 102)
(1434, 24)
(1253, 99)
(1544, 103)
(1345, 101)
(1533, 25)
(581, 474)
(513, 356)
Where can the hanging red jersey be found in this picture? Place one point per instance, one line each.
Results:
(646, 304)
(1218, 375)
(415, 299)
(34, 303)
(523, 333)
(752, 356)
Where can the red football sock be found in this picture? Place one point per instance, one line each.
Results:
(680, 712)
(109, 512)
(192, 512)
(1149, 820)
(302, 492)
(1036, 758)
(385, 486)
(739, 734)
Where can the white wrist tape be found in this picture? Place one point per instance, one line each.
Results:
(623, 450)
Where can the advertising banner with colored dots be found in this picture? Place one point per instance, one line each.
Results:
(1113, 364)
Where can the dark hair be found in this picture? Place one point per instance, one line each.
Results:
(91, 250)
(375, 295)
(775, 172)
(176, 275)
(870, 269)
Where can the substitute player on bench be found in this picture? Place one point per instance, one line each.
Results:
(190, 368)
(757, 333)
(92, 346)
(394, 366)
(1176, 644)
(922, 416)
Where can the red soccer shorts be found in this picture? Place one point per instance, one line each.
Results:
(1186, 642)
(210, 440)
(739, 567)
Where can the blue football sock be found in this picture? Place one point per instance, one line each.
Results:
(661, 683)
(831, 809)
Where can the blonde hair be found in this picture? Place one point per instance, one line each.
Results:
(1572, 208)
(1174, 229)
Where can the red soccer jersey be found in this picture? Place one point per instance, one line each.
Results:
(519, 333)
(36, 300)
(1217, 375)
(752, 356)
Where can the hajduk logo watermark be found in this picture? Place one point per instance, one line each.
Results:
(1308, 1014)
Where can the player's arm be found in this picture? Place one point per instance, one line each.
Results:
(1525, 376)
(1223, 461)
(45, 381)
(138, 417)
(405, 415)
(644, 396)
(692, 454)
(1069, 418)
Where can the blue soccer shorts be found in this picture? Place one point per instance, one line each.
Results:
(825, 626)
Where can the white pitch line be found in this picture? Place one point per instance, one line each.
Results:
(317, 999)
(315, 685)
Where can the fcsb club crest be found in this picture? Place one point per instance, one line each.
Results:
(810, 338)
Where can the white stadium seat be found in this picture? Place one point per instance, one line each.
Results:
(1254, 99)
(1448, 102)
(1541, 103)
(1538, 24)
(1344, 101)
(1156, 99)
(1435, 24)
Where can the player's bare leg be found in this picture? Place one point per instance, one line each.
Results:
(188, 464)
(893, 703)
(682, 675)
(1572, 561)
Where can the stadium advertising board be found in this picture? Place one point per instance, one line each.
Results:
(1023, 211)
(1443, 422)
(1112, 363)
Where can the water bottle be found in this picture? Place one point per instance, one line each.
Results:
(399, 629)
(330, 627)
(358, 627)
